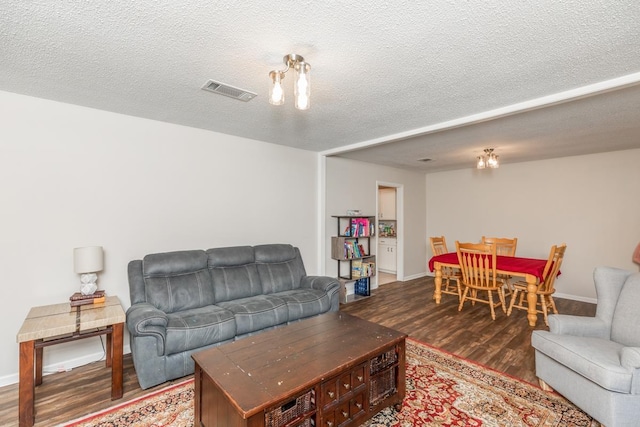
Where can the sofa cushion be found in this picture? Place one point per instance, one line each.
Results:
(305, 302)
(594, 358)
(624, 326)
(233, 273)
(198, 327)
(257, 313)
(176, 281)
(280, 267)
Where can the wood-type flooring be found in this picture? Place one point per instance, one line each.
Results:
(503, 344)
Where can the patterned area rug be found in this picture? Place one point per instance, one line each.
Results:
(442, 390)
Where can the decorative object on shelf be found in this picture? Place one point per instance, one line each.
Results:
(488, 160)
(302, 83)
(87, 261)
(353, 212)
(361, 287)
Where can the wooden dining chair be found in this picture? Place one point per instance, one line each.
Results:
(545, 289)
(478, 264)
(449, 274)
(505, 247)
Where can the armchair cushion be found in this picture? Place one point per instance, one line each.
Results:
(594, 358)
(624, 325)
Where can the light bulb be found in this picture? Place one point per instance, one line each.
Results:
(276, 94)
(302, 88)
(481, 162)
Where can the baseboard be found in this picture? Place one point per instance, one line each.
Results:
(68, 364)
(415, 276)
(576, 298)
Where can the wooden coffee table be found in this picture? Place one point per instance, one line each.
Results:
(331, 370)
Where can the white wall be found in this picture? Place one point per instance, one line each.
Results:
(73, 176)
(354, 185)
(589, 202)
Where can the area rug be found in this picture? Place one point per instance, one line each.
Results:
(442, 390)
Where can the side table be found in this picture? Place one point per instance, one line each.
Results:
(59, 323)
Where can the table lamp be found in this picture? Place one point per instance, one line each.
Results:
(636, 254)
(87, 261)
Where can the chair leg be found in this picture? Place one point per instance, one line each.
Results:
(464, 296)
(514, 295)
(543, 304)
(552, 304)
(502, 299)
(493, 312)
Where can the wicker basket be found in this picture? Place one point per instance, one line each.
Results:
(383, 361)
(382, 385)
(280, 416)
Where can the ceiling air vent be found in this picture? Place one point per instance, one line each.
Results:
(230, 91)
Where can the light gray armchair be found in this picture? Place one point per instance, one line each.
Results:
(595, 361)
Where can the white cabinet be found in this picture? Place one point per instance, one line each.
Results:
(386, 256)
(387, 203)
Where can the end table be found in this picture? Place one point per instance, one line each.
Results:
(59, 323)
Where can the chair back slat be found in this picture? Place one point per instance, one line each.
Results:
(504, 246)
(438, 245)
(478, 264)
(551, 269)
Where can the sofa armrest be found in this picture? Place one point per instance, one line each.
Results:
(146, 320)
(579, 326)
(321, 283)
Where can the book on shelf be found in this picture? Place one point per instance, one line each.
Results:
(360, 227)
(353, 250)
(356, 269)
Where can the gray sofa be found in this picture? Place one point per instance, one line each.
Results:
(183, 302)
(595, 361)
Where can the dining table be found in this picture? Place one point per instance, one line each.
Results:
(531, 269)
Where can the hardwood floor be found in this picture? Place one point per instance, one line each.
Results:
(503, 344)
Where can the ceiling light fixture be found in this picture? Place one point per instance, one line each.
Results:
(302, 83)
(488, 160)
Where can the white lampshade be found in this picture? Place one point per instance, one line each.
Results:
(88, 259)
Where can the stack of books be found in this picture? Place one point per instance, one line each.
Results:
(79, 299)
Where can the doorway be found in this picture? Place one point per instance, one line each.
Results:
(387, 250)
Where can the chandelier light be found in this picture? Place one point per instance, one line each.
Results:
(488, 160)
(302, 83)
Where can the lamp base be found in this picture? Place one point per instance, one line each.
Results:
(88, 281)
(88, 288)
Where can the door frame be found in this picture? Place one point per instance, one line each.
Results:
(399, 225)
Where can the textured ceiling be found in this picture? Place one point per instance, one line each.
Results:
(392, 81)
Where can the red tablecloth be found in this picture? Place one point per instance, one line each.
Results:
(508, 263)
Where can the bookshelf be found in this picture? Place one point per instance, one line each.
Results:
(351, 248)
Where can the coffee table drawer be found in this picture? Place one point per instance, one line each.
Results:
(335, 389)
